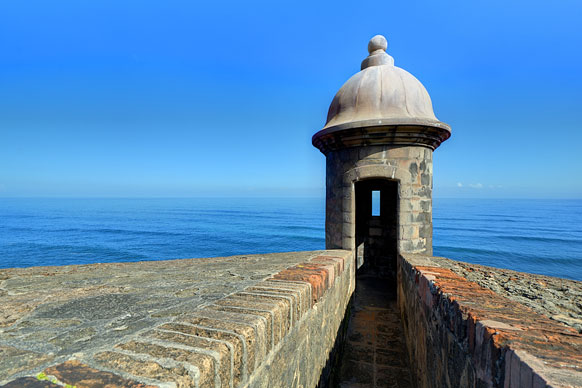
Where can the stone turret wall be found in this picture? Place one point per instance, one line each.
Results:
(411, 166)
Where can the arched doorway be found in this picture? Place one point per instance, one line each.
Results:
(377, 228)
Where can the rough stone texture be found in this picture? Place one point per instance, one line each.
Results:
(14, 360)
(460, 334)
(86, 377)
(411, 166)
(31, 382)
(272, 320)
(559, 299)
(374, 353)
(223, 322)
(298, 361)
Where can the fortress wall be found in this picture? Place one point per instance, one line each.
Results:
(274, 320)
(242, 321)
(462, 334)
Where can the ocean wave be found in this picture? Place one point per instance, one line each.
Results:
(460, 229)
(500, 257)
(129, 232)
(540, 239)
(64, 254)
(302, 227)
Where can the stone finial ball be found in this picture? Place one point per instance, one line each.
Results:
(377, 43)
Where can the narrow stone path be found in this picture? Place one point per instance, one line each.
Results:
(375, 353)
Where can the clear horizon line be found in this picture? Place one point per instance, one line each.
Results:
(259, 196)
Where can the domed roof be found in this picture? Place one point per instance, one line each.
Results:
(382, 94)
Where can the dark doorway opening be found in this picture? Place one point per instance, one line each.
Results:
(377, 228)
(375, 328)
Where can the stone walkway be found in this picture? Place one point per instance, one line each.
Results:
(375, 353)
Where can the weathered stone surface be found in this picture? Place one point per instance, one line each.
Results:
(205, 364)
(300, 358)
(30, 382)
(293, 297)
(317, 277)
(301, 289)
(559, 299)
(94, 312)
(236, 341)
(14, 360)
(192, 348)
(374, 354)
(254, 346)
(278, 330)
(462, 334)
(273, 313)
(79, 375)
(160, 370)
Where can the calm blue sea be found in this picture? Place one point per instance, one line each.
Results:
(539, 236)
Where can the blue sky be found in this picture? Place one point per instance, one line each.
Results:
(183, 98)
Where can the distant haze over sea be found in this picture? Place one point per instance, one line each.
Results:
(538, 236)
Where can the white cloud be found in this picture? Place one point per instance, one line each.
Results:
(459, 184)
(476, 185)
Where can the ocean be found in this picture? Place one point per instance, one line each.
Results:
(538, 236)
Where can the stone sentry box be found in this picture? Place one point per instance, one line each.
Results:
(379, 136)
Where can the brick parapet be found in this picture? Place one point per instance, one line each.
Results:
(462, 334)
(557, 298)
(231, 342)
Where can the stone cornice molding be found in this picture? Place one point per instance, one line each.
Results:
(402, 132)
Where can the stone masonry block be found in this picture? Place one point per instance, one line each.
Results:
(237, 342)
(271, 320)
(372, 152)
(317, 277)
(160, 370)
(403, 153)
(302, 289)
(328, 267)
(253, 328)
(194, 349)
(348, 230)
(291, 302)
(338, 263)
(347, 206)
(189, 362)
(280, 305)
(348, 217)
(348, 241)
